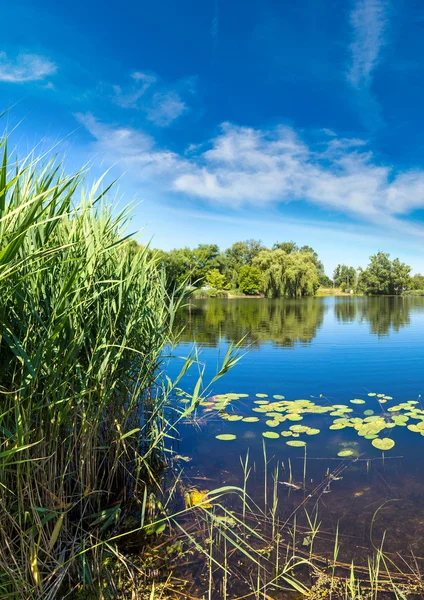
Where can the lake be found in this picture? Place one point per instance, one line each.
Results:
(322, 353)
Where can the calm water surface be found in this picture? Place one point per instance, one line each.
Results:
(328, 350)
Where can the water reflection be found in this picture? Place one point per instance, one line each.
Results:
(384, 315)
(284, 322)
(290, 322)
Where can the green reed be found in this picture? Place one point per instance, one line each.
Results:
(85, 417)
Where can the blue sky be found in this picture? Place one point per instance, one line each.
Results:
(230, 120)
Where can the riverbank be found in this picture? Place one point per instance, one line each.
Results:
(203, 294)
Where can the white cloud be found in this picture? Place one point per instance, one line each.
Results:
(141, 83)
(166, 108)
(243, 166)
(368, 20)
(26, 67)
(163, 104)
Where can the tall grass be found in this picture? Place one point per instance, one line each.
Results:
(84, 321)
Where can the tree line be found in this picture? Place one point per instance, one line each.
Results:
(284, 270)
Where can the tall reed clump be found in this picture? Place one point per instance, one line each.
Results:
(84, 319)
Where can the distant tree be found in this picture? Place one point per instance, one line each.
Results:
(417, 282)
(215, 279)
(324, 280)
(383, 276)
(250, 279)
(287, 247)
(240, 254)
(302, 278)
(345, 275)
(283, 274)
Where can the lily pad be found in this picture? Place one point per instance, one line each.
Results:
(278, 397)
(261, 395)
(383, 443)
(250, 419)
(345, 453)
(226, 437)
(286, 433)
(271, 435)
(296, 443)
(272, 423)
(313, 431)
(357, 401)
(372, 394)
(234, 418)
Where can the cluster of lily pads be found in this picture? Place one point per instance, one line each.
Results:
(278, 410)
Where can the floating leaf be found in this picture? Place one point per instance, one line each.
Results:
(357, 401)
(234, 418)
(250, 419)
(272, 423)
(270, 434)
(294, 417)
(296, 443)
(345, 453)
(372, 394)
(286, 433)
(261, 401)
(368, 412)
(338, 426)
(278, 397)
(383, 443)
(261, 395)
(313, 431)
(226, 437)
(299, 428)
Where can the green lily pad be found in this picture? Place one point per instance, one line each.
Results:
(296, 443)
(261, 395)
(368, 412)
(234, 418)
(313, 431)
(278, 397)
(338, 426)
(357, 401)
(250, 419)
(270, 434)
(372, 394)
(226, 437)
(294, 417)
(272, 423)
(345, 453)
(286, 433)
(383, 443)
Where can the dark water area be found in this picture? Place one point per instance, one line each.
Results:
(327, 351)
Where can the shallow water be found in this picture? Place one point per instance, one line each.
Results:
(328, 351)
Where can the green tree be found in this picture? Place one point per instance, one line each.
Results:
(250, 279)
(383, 276)
(215, 279)
(345, 275)
(287, 247)
(417, 282)
(324, 280)
(283, 274)
(238, 255)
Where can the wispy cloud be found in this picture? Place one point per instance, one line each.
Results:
(25, 67)
(243, 166)
(162, 103)
(369, 21)
(166, 108)
(129, 98)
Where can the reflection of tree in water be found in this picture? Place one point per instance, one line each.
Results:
(384, 314)
(283, 322)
